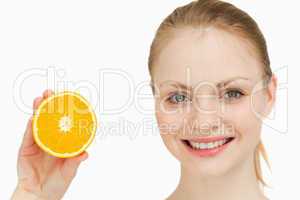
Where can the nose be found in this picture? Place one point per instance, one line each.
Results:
(206, 98)
(206, 112)
(206, 103)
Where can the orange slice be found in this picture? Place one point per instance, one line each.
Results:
(64, 124)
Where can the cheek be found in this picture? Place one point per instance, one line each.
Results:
(170, 125)
(169, 128)
(258, 105)
(169, 121)
(243, 121)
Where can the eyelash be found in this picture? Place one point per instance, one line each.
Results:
(236, 91)
(169, 99)
(228, 91)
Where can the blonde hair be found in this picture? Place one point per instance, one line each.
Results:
(223, 15)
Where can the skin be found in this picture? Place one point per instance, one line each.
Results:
(195, 62)
(40, 175)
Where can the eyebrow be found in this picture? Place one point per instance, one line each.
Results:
(226, 82)
(218, 85)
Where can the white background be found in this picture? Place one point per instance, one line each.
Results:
(81, 38)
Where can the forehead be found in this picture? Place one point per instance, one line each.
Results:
(206, 55)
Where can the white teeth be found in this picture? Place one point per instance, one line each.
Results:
(202, 146)
(210, 145)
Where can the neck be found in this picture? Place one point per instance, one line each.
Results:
(240, 183)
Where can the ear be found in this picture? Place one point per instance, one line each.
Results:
(271, 89)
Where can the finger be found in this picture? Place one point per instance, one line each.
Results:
(47, 93)
(70, 166)
(50, 161)
(37, 101)
(28, 137)
(28, 140)
(77, 159)
(83, 156)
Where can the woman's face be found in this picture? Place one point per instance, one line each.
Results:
(209, 116)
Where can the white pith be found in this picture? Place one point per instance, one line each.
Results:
(65, 124)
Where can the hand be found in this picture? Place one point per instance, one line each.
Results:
(40, 175)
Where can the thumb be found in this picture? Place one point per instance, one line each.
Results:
(70, 166)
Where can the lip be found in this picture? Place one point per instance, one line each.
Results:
(207, 152)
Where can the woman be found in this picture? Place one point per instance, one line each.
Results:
(213, 85)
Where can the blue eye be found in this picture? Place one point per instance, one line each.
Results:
(177, 98)
(233, 94)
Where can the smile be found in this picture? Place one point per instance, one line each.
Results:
(203, 147)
